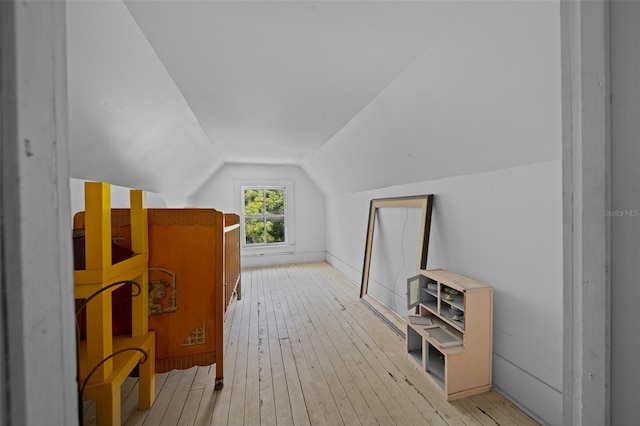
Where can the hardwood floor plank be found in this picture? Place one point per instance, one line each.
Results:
(276, 392)
(89, 413)
(388, 349)
(302, 349)
(472, 413)
(297, 368)
(127, 387)
(209, 398)
(216, 408)
(267, 363)
(381, 382)
(252, 386)
(202, 377)
(159, 407)
(478, 402)
(130, 403)
(333, 341)
(239, 380)
(319, 402)
(392, 341)
(191, 405)
(129, 410)
(518, 416)
(178, 400)
(207, 374)
(330, 369)
(221, 410)
(358, 367)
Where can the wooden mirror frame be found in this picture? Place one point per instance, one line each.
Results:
(425, 202)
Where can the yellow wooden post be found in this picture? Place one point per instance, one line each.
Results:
(97, 205)
(108, 412)
(98, 256)
(104, 385)
(140, 303)
(139, 245)
(147, 385)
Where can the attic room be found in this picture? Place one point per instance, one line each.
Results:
(520, 118)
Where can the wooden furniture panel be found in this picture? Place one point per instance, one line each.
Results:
(194, 270)
(450, 338)
(232, 275)
(187, 248)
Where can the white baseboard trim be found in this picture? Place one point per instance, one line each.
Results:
(348, 270)
(250, 261)
(536, 398)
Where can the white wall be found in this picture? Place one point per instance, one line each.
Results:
(309, 209)
(502, 228)
(120, 198)
(625, 208)
(394, 256)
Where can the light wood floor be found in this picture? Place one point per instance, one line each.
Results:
(302, 349)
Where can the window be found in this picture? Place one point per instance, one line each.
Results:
(264, 212)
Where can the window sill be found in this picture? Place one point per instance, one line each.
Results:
(260, 250)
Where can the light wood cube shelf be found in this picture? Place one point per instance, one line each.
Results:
(450, 337)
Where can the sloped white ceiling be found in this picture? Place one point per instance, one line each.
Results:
(128, 122)
(271, 81)
(162, 93)
(485, 96)
(362, 94)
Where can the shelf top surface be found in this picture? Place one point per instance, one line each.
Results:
(453, 280)
(122, 362)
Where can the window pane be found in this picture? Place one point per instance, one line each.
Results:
(253, 202)
(275, 230)
(254, 231)
(274, 200)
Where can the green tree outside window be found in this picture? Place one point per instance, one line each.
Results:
(264, 212)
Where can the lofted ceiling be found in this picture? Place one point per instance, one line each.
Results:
(273, 81)
(359, 94)
(162, 93)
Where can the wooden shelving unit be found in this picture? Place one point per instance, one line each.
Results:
(104, 384)
(450, 338)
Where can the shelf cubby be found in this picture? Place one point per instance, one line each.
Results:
(435, 365)
(454, 346)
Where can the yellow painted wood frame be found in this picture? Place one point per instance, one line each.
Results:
(99, 273)
(425, 202)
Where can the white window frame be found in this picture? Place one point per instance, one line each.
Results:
(266, 248)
